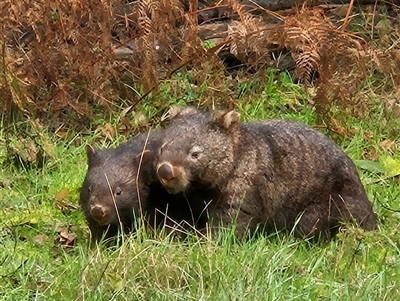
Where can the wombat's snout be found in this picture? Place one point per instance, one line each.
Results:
(165, 171)
(172, 177)
(99, 213)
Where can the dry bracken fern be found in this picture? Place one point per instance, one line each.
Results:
(70, 54)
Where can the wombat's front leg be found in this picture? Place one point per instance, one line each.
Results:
(234, 214)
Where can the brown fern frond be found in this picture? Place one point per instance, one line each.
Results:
(331, 59)
(241, 11)
(306, 35)
(307, 63)
(193, 45)
(145, 23)
(233, 36)
(248, 39)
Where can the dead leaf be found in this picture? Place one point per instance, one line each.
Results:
(140, 119)
(124, 125)
(337, 128)
(65, 238)
(39, 239)
(388, 146)
(396, 110)
(126, 110)
(62, 195)
(107, 130)
(65, 206)
(63, 134)
(341, 130)
(25, 148)
(63, 201)
(368, 135)
(370, 154)
(36, 285)
(392, 106)
(5, 183)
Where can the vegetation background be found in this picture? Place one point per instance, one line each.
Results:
(75, 72)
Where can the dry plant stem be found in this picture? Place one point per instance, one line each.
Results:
(6, 93)
(347, 18)
(270, 12)
(209, 53)
(102, 275)
(121, 226)
(196, 12)
(373, 20)
(138, 174)
(156, 43)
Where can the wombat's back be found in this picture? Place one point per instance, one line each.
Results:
(305, 172)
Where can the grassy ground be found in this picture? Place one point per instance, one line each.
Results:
(39, 204)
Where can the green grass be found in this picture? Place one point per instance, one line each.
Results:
(36, 202)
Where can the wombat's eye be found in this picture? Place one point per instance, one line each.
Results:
(118, 191)
(195, 155)
(195, 152)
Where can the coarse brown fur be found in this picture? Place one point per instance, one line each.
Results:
(115, 181)
(272, 175)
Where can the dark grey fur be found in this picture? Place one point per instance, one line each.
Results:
(274, 175)
(113, 174)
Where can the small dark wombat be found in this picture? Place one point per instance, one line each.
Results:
(273, 175)
(116, 192)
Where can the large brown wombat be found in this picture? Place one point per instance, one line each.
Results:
(116, 193)
(272, 175)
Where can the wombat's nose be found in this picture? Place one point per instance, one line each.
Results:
(98, 212)
(165, 171)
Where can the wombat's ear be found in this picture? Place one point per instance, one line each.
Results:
(144, 156)
(90, 151)
(226, 119)
(175, 111)
(92, 155)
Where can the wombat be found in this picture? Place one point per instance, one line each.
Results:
(121, 187)
(272, 175)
